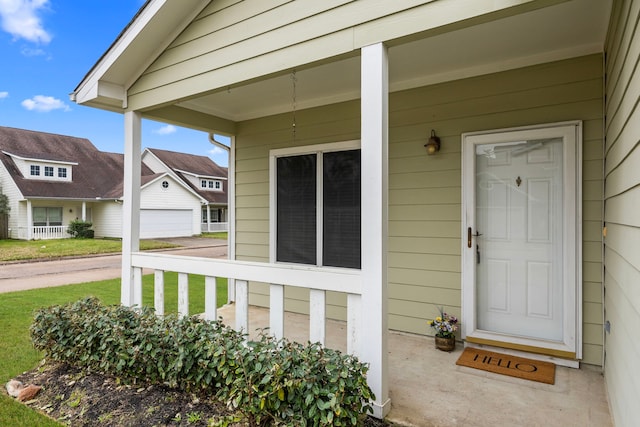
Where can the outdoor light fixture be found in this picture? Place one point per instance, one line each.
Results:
(433, 145)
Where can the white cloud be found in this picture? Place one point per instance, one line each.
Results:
(216, 151)
(166, 130)
(44, 104)
(21, 19)
(4, 95)
(26, 51)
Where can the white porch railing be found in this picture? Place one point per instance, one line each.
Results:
(44, 232)
(214, 227)
(317, 280)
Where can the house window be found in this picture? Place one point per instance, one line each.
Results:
(210, 184)
(165, 184)
(47, 216)
(318, 208)
(35, 170)
(217, 185)
(62, 172)
(48, 171)
(203, 183)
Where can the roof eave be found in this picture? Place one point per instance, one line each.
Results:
(105, 85)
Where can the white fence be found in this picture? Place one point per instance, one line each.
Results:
(214, 227)
(44, 232)
(317, 280)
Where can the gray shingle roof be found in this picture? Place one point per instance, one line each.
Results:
(97, 174)
(196, 165)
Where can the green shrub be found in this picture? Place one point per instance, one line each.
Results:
(271, 382)
(80, 229)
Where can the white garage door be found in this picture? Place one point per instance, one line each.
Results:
(165, 223)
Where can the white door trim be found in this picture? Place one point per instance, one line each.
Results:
(572, 157)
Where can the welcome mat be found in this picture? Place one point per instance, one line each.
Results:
(505, 364)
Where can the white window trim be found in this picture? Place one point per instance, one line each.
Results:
(297, 151)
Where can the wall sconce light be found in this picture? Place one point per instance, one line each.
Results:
(433, 145)
(70, 210)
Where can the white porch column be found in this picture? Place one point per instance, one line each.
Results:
(231, 206)
(374, 112)
(131, 202)
(208, 217)
(29, 220)
(84, 211)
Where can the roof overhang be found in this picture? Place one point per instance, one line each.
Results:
(221, 178)
(524, 34)
(155, 25)
(31, 159)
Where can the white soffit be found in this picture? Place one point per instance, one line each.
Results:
(566, 30)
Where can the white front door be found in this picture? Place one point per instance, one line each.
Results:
(520, 275)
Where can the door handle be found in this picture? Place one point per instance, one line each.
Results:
(470, 236)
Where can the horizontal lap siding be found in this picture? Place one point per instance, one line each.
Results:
(425, 192)
(622, 204)
(235, 41)
(254, 140)
(17, 212)
(107, 219)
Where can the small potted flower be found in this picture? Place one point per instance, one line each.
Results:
(445, 326)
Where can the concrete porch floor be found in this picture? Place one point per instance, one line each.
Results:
(427, 388)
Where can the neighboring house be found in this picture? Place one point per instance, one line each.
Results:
(51, 180)
(202, 175)
(518, 224)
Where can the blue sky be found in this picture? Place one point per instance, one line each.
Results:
(46, 48)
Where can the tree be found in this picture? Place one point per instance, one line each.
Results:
(4, 204)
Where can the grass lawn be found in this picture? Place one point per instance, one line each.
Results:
(217, 235)
(15, 250)
(16, 314)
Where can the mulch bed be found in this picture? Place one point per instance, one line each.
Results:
(77, 398)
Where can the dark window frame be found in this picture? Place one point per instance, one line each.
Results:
(318, 185)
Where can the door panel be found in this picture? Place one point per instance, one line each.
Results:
(520, 204)
(519, 195)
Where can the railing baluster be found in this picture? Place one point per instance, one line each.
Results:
(317, 315)
(276, 310)
(137, 287)
(210, 298)
(158, 292)
(183, 294)
(354, 323)
(242, 305)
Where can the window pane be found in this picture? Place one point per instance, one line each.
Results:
(55, 216)
(39, 216)
(341, 195)
(296, 209)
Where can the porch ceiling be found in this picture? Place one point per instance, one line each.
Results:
(569, 29)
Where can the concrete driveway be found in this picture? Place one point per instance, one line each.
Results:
(42, 274)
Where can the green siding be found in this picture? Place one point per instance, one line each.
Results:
(622, 203)
(238, 41)
(425, 192)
